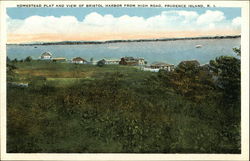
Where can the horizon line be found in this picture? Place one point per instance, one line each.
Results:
(121, 40)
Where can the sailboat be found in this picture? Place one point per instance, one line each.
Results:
(198, 46)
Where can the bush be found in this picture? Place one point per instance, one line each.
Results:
(126, 111)
(101, 63)
(28, 59)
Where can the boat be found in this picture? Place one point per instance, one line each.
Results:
(35, 47)
(198, 46)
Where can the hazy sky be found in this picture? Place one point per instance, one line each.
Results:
(73, 24)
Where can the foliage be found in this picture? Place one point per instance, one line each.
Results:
(28, 59)
(189, 80)
(10, 68)
(227, 71)
(122, 109)
(101, 63)
(15, 60)
(8, 59)
(237, 51)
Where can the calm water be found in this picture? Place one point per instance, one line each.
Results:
(167, 51)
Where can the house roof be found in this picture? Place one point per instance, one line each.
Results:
(132, 59)
(46, 54)
(78, 59)
(160, 64)
(191, 61)
(129, 58)
(59, 58)
(111, 59)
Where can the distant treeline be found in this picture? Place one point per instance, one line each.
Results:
(121, 41)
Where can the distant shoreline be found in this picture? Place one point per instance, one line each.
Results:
(125, 41)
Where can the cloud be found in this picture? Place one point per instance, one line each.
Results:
(210, 17)
(95, 23)
(236, 22)
(172, 20)
(108, 22)
(49, 24)
(96, 19)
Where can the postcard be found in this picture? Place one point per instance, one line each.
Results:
(124, 80)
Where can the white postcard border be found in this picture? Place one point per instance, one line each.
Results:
(112, 156)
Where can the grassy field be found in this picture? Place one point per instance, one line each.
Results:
(79, 108)
(67, 73)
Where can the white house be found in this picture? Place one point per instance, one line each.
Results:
(161, 65)
(78, 60)
(141, 61)
(46, 56)
(150, 69)
(111, 61)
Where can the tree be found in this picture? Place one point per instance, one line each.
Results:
(188, 68)
(101, 63)
(189, 80)
(15, 60)
(10, 68)
(237, 51)
(28, 59)
(8, 59)
(227, 71)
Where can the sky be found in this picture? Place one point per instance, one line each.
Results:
(99, 24)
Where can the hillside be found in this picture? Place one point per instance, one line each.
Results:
(78, 108)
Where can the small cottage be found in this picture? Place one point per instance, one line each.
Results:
(161, 65)
(131, 61)
(141, 61)
(193, 62)
(111, 61)
(46, 56)
(78, 60)
(59, 59)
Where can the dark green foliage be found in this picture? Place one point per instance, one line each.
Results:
(15, 60)
(10, 71)
(10, 68)
(227, 72)
(8, 59)
(189, 80)
(237, 51)
(121, 111)
(28, 59)
(101, 63)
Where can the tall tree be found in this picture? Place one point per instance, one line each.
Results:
(237, 51)
(227, 72)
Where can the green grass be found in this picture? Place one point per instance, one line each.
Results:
(68, 70)
(66, 82)
(73, 108)
(66, 74)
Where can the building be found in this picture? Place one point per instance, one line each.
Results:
(190, 62)
(59, 59)
(91, 62)
(205, 67)
(141, 61)
(150, 69)
(131, 61)
(161, 65)
(111, 61)
(46, 56)
(78, 60)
